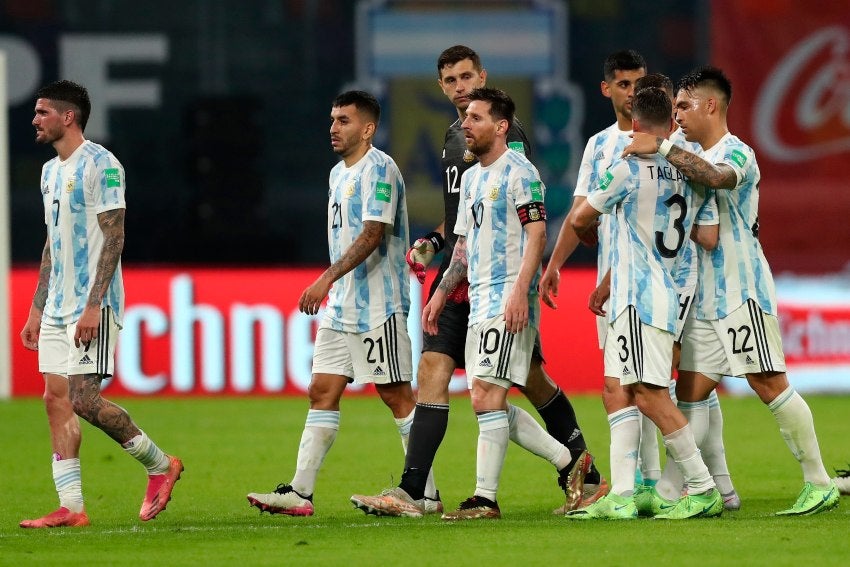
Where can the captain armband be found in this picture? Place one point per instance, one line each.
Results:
(531, 212)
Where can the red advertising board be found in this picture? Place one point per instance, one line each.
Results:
(238, 331)
(789, 63)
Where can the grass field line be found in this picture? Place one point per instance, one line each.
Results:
(93, 531)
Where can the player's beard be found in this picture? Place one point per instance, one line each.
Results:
(479, 146)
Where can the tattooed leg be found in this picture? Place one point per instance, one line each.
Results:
(110, 418)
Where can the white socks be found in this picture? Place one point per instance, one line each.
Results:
(797, 427)
(650, 459)
(681, 446)
(625, 439)
(146, 452)
(493, 436)
(69, 484)
(528, 434)
(319, 434)
(713, 450)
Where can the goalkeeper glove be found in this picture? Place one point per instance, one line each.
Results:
(422, 252)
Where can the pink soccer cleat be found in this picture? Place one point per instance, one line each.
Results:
(159, 489)
(61, 518)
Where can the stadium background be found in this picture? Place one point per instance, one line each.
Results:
(219, 114)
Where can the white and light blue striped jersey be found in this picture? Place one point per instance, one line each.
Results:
(75, 191)
(736, 270)
(688, 269)
(653, 211)
(370, 190)
(495, 240)
(599, 153)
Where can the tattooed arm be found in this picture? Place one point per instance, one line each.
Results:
(365, 243)
(32, 328)
(112, 225)
(715, 176)
(454, 274)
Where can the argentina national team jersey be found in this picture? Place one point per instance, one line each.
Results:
(736, 270)
(653, 211)
(370, 190)
(599, 153)
(688, 266)
(75, 191)
(495, 239)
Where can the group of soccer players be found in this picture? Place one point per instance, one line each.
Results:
(684, 290)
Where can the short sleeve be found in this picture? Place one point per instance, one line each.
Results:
(107, 184)
(381, 185)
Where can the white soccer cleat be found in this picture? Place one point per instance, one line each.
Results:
(284, 500)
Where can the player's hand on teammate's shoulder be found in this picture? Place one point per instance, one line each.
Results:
(642, 143)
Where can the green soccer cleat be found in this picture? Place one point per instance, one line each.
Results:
(813, 500)
(649, 503)
(609, 507)
(706, 505)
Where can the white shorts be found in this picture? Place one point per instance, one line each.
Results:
(379, 356)
(602, 327)
(58, 355)
(494, 355)
(746, 341)
(638, 353)
(686, 300)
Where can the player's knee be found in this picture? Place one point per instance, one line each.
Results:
(768, 386)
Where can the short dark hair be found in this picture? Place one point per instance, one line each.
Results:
(652, 105)
(657, 80)
(456, 54)
(363, 101)
(501, 105)
(707, 76)
(625, 60)
(67, 95)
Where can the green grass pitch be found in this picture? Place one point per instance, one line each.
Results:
(234, 446)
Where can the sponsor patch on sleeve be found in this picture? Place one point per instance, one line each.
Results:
(113, 177)
(383, 191)
(537, 191)
(606, 180)
(739, 157)
(518, 147)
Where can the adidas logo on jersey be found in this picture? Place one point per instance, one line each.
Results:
(749, 360)
(86, 360)
(626, 371)
(486, 363)
(379, 372)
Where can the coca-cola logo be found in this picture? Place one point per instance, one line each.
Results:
(803, 109)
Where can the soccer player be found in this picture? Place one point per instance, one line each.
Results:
(653, 211)
(79, 302)
(501, 236)
(363, 333)
(631, 434)
(651, 498)
(734, 330)
(459, 71)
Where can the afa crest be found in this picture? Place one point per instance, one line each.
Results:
(349, 189)
(468, 156)
(69, 186)
(494, 192)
